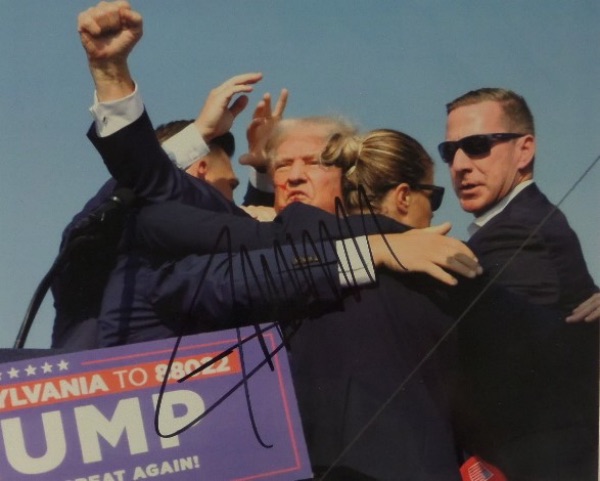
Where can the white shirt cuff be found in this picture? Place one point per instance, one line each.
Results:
(186, 147)
(111, 117)
(355, 264)
(261, 181)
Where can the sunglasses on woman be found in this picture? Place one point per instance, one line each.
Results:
(473, 145)
(436, 196)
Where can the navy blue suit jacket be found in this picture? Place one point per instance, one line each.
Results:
(78, 286)
(549, 269)
(369, 347)
(348, 357)
(135, 159)
(161, 286)
(150, 297)
(529, 398)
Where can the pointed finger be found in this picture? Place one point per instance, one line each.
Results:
(281, 103)
(267, 102)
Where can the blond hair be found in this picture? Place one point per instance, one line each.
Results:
(375, 162)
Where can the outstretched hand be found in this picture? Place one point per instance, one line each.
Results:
(427, 251)
(263, 122)
(217, 115)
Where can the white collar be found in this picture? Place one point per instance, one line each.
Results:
(483, 219)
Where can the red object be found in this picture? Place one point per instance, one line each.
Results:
(476, 469)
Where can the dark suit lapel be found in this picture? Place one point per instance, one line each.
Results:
(523, 201)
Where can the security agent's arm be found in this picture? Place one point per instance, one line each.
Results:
(518, 259)
(227, 288)
(176, 230)
(427, 251)
(180, 230)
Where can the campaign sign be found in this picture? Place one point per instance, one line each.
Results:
(122, 414)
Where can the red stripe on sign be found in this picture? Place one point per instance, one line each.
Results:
(49, 391)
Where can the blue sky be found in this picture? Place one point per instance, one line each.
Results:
(380, 63)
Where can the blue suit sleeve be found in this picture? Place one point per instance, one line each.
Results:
(176, 229)
(227, 288)
(136, 160)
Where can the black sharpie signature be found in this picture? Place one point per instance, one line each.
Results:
(297, 278)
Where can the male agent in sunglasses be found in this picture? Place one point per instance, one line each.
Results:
(490, 150)
(543, 424)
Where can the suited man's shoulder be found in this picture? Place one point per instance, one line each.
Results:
(537, 209)
(529, 208)
(530, 202)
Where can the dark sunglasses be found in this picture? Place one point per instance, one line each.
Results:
(436, 196)
(473, 145)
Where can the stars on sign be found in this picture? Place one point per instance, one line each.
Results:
(12, 373)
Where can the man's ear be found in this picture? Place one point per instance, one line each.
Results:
(526, 146)
(198, 169)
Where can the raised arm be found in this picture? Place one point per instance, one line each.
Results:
(109, 32)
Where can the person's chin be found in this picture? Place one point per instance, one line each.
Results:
(470, 205)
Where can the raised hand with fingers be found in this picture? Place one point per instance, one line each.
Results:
(263, 122)
(217, 115)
